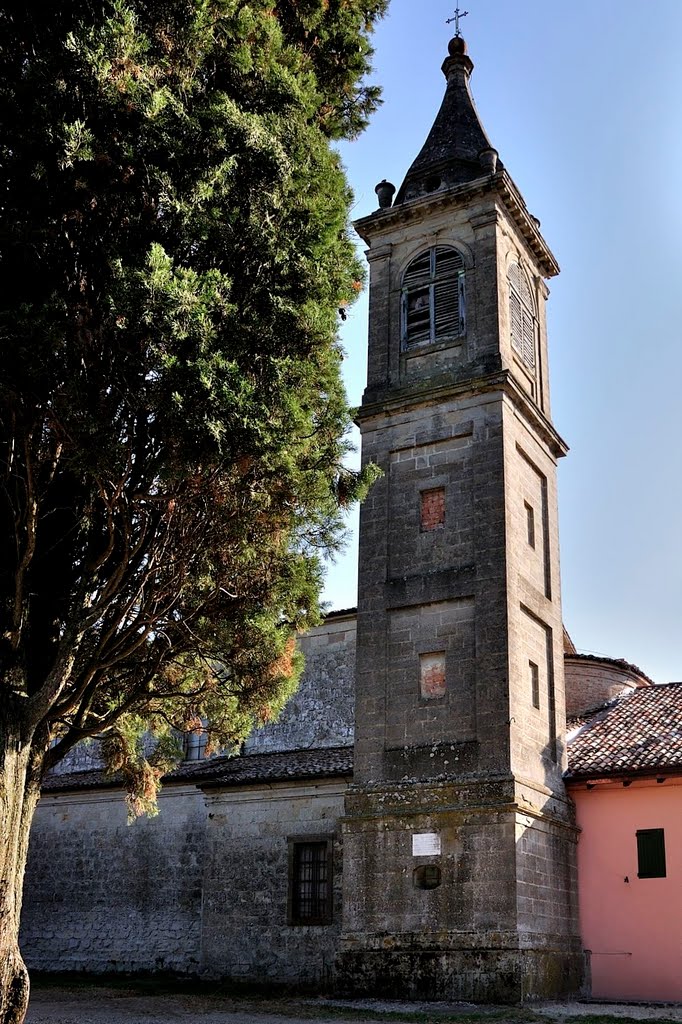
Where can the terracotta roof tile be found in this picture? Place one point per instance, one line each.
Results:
(275, 767)
(600, 659)
(228, 771)
(637, 732)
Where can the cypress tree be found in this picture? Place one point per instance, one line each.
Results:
(175, 250)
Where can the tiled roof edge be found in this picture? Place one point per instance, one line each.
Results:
(618, 662)
(673, 769)
(339, 613)
(203, 773)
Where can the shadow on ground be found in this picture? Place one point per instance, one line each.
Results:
(75, 1001)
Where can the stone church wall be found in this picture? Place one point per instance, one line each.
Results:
(104, 896)
(246, 934)
(202, 889)
(321, 713)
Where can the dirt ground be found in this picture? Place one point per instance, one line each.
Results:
(97, 1004)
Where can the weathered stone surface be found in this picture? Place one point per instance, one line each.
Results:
(102, 895)
(476, 772)
(321, 713)
(246, 935)
(478, 975)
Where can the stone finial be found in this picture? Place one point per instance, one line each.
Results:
(385, 191)
(488, 159)
(457, 47)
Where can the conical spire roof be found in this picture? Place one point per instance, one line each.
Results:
(457, 149)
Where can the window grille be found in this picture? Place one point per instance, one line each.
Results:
(433, 298)
(651, 853)
(521, 316)
(426, 876)
(310, 878)
(194, 744)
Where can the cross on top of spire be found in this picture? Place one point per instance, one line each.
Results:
(457, 18)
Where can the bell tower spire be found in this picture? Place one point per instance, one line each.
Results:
(459, 845)
(457, 149)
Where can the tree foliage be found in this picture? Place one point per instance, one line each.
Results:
(173, 221)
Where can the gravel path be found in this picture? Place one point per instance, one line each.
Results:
(100, 1005)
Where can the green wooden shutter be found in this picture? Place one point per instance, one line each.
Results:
(651, 853)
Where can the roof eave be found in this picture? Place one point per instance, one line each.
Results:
(622, 775)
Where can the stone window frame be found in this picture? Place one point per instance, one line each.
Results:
(424, 276)
(295, 846)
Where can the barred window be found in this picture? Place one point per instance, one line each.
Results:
(310, 881)
(433, 298)
(521, 315)
(194, 742)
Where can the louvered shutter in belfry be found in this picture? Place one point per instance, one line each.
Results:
(419, 268)
(448, 261)
(433, 292)
(417, 300)
(447, 309)
(528, 338)
(448, 268)
(522, 320)
(516, 317)
(418, 314)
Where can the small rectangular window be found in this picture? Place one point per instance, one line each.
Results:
(530, 524)
(651, 853)
(534, 683)
(195, 742)
(310, 881)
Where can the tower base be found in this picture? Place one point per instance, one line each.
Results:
(483, 975)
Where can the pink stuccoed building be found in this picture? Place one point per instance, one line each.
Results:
(625, 777)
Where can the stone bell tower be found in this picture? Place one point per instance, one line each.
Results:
(459, 846)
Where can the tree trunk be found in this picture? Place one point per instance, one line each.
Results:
(19, 792)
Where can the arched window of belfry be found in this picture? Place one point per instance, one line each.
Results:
(433, 297)
(521, 315)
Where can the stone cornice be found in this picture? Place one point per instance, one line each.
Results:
(500, 184)
(394, 401)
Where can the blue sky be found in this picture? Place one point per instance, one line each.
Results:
(583, 101)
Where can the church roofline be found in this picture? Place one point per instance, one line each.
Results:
(225, 770)
(619, 663)
(339, 613)
(624, 776)
(633, 734)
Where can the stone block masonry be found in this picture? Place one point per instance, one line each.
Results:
(321, 713)
(201, 890)
(103, 896)
(246, 934)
